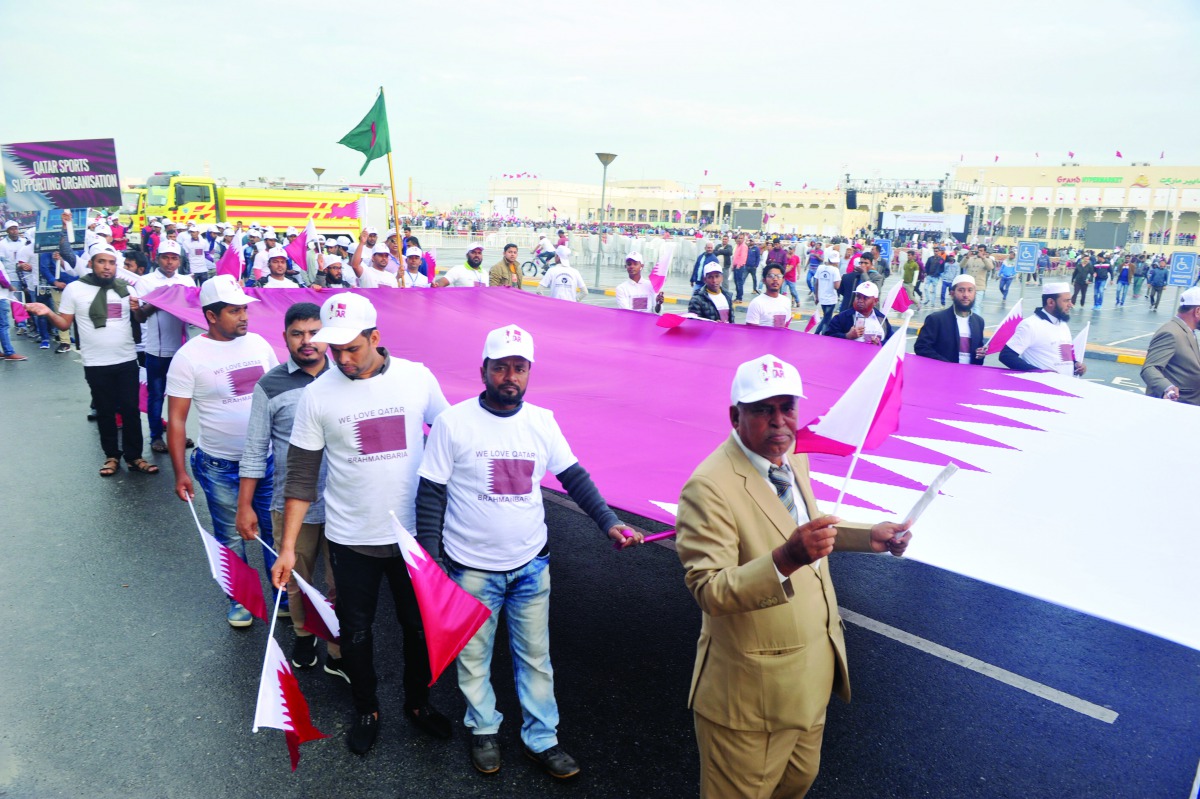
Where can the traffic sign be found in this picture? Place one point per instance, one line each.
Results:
(1027, 256)
(885, 249)
(1183, 269)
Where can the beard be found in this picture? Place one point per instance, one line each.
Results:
(503, 400)
(963, 306)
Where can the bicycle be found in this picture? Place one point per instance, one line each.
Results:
(530, 267)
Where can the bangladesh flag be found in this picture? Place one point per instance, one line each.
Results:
(370, 137)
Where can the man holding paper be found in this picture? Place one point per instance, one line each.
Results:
(753, 546)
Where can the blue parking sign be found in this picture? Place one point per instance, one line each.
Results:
(1027, 257)
(1183, 269)
(885, 249)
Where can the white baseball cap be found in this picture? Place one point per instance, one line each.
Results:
(380, 248)
(1190, 297)
(333, 261)
(370, 231)
(170, 246)
(253, 233)
(508, 341)
(634, 256)
(343, 241)
(223, 288)
(103, 230)
(833, 257)
(413, 252)
(562, 252)
(767, 376)
(276, 252)
(291, 231)
(11, 223)
(867, 289)
(158, 225)
(269, 233)
(1055, 288)
(96, 249)
(959, 280)
(479, 247)
(344, 316)
(710, 267)
(191, 226)
(228, 232)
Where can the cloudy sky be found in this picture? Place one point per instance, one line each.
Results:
(791, 90)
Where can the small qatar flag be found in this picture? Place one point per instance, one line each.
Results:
(1070, 154)
(298, 249)
(1079, 345)
(230, 263)
(1005, 331)
(450, 615)
(805, 186)
(706, 172)
(281, 705)
(897, 299)
(869, 411)
(994, 160)
(751, 182)
(812, 322)
(236, 578)
(658, 275)
(320, 619)
(1119, 154)
(1162, 155)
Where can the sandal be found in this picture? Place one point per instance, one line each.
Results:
(143, 466)
(110, 467)
(157, 445)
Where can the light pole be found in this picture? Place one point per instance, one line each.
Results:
(606, 159)
(318, 171)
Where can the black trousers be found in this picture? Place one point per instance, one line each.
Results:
(358, 577)
(115, 390)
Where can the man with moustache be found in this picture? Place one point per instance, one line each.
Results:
(1043, 340)
(506, 272)
(466, 274)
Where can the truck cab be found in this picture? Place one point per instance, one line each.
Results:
(180, 198)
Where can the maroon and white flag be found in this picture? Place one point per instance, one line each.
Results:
(1079, 345)
(298, 249)
(281, 705)
(897, 299)
(1005, 331)
(812, 322)
(320, 619)
(658, 275)
(237, 578)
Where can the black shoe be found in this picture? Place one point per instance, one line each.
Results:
(61, 348)
(91, 416)
(304, 652)
(485, 753)
(334, 666)
(555, 761)
(428, 719)
(363, 733)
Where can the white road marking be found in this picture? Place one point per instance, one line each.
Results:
(1122, 341)
(986, 669)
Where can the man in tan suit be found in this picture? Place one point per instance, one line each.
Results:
(753, 548)
(1172, 368)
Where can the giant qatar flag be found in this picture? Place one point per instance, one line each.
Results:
(1040, 504)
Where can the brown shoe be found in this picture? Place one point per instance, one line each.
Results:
(15, 357)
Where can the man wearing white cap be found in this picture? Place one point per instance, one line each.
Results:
(332, 277)
(375, 274)
(217, 373)
(410, 277)
(479, 508)
(466, 274)
(753, 545)
(710, 301)
(270, 242)
(862, 321)
(564, 280)
(100, 305)
(955, 334)
(1043, 340)
(196, 253)
(162, 335)
(365, 420)
(1172, 368)
(368, 237)
(636, 293)
(276, 278)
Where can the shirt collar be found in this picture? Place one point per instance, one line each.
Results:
(294, 367)
(760, 464)
(1054, 320)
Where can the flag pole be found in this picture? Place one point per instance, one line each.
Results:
(395, 205)
(267, 654)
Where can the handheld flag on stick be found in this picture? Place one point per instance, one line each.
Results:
(237, 579)
(298, 249)
(897, 299)
(812, 322)
(320, 618)
(450, 615)
(1005, 331)
(658, 275)
(1079, 345)
(866, 414)
(280, 704)
(230, 262)
(370, 137)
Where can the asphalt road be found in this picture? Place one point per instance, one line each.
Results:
(121, 677)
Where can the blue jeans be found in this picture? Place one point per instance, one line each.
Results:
(945, 288)
(809, 278)
(5, 336)
(1122, 292)
(826, 315)
(218, 478)
(930, 289)
(739, 280)
(1098, 293)
(1005, 282)
(791, 286)
(156, 389)
(524, 596)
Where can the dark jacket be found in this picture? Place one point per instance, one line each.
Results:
(840, 324)
(725, 253)
(1082, 273)
(938, 338)
(753, 256)
(703, 307)
(934, 266)
(702, 260)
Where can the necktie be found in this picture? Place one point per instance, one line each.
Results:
(783, 487)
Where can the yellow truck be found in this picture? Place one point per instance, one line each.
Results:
(184, 198)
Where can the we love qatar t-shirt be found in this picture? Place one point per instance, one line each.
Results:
(492, 467)
(100, 346)
(219, 378)
(373, 435)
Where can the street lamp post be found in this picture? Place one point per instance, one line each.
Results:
(605, 159)
(318, 171)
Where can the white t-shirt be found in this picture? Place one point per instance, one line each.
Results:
(827, 275)
(282, 283)
(413, 280)
(722, 306)
(103, 346)
(639, 296)
(564, 282)
(492, 467)
(1045, 344)
(373, 436)
(373, 278)
(193, 252)
(463, 275)
(259, 267)
(964, 338)
(770, 311)
(219, 378)
(162, 333)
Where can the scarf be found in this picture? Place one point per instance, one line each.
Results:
(98, 310)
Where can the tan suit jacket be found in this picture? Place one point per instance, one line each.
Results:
(762, 658)
(1173, 358)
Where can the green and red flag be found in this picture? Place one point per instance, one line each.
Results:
(370, 137)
